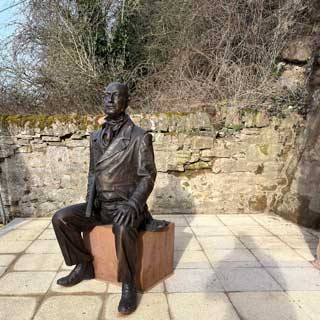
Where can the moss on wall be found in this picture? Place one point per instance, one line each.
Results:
(42, 121)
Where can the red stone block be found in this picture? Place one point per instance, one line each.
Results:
(155, 255)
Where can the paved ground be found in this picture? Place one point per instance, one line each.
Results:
(228, 267)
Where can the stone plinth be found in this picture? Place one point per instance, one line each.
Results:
(155, 255)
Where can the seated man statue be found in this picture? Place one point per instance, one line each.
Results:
(121, 176)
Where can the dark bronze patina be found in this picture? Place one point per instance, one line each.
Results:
(121, 177)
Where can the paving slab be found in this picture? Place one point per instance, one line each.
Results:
(13, 246)
(213, 252)
(262, 242)
(203, 220)
(152, 306)
(48, 234)
(246, 279)
(191, 260)
(181, 230)
(249, 230)
(3, 270)
(17, 308)
(186, 241)
(308, 301)
(16, 283)
(38, 262)
(307, 253)
(68, 307)
(227, 242)
(269, 219)
(288, 229)
(34, 224)
(193, 280)
(44, 246)
(280, 257)
(85, 286)
(266, 306)
(210, 231)
(201, 306)
(297, 279)
(235, 264)
(299, 242)
(237, 219)
(227, 255)
(6, 259)
(23, 234)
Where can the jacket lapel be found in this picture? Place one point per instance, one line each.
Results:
(119, 143)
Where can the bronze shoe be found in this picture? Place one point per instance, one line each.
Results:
(129, 299)
(82, 271)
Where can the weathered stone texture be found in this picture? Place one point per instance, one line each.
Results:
(250, 168)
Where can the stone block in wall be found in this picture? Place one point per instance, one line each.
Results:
(76, 143)
(262, 119)
(167, 142)
(50, 138)
(258, 203)
(229, 165)
(23, 142)
(232, 118)
(6, 140)
(202, 142)
(199, 121)
(198, 165)
(24, 149)
(254, 119)
(206, 155)
(39, 147)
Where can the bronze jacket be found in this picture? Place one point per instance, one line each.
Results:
(125, 170)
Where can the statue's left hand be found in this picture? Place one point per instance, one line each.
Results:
(125, 215)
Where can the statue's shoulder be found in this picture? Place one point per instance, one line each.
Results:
(95, 134)
(138, 131)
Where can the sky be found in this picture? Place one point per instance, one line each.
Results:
(7, 17)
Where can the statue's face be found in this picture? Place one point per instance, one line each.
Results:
(115, 99)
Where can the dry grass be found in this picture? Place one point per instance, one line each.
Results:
(178, 54)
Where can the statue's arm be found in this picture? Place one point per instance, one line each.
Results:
(147, 174)
(91, 173)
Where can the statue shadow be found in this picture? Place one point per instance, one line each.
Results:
(308, 186)
(253, 283)
(171, 201)
(15, 178)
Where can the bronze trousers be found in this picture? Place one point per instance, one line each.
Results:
(70, 222)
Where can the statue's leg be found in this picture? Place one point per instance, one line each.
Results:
(68, 223)
(126, 243)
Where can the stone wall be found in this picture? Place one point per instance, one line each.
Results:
(235, 161)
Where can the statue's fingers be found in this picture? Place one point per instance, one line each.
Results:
(116, 216)
(122, 217)
(127, 220)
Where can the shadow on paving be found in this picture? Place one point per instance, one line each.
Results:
(183, 238)
(256, 292)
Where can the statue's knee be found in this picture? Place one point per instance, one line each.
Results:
(58, 218)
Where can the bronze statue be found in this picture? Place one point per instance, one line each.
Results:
(121, 176)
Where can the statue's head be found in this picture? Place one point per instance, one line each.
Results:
(116, 98)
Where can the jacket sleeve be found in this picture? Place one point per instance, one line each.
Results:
(146, 171)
